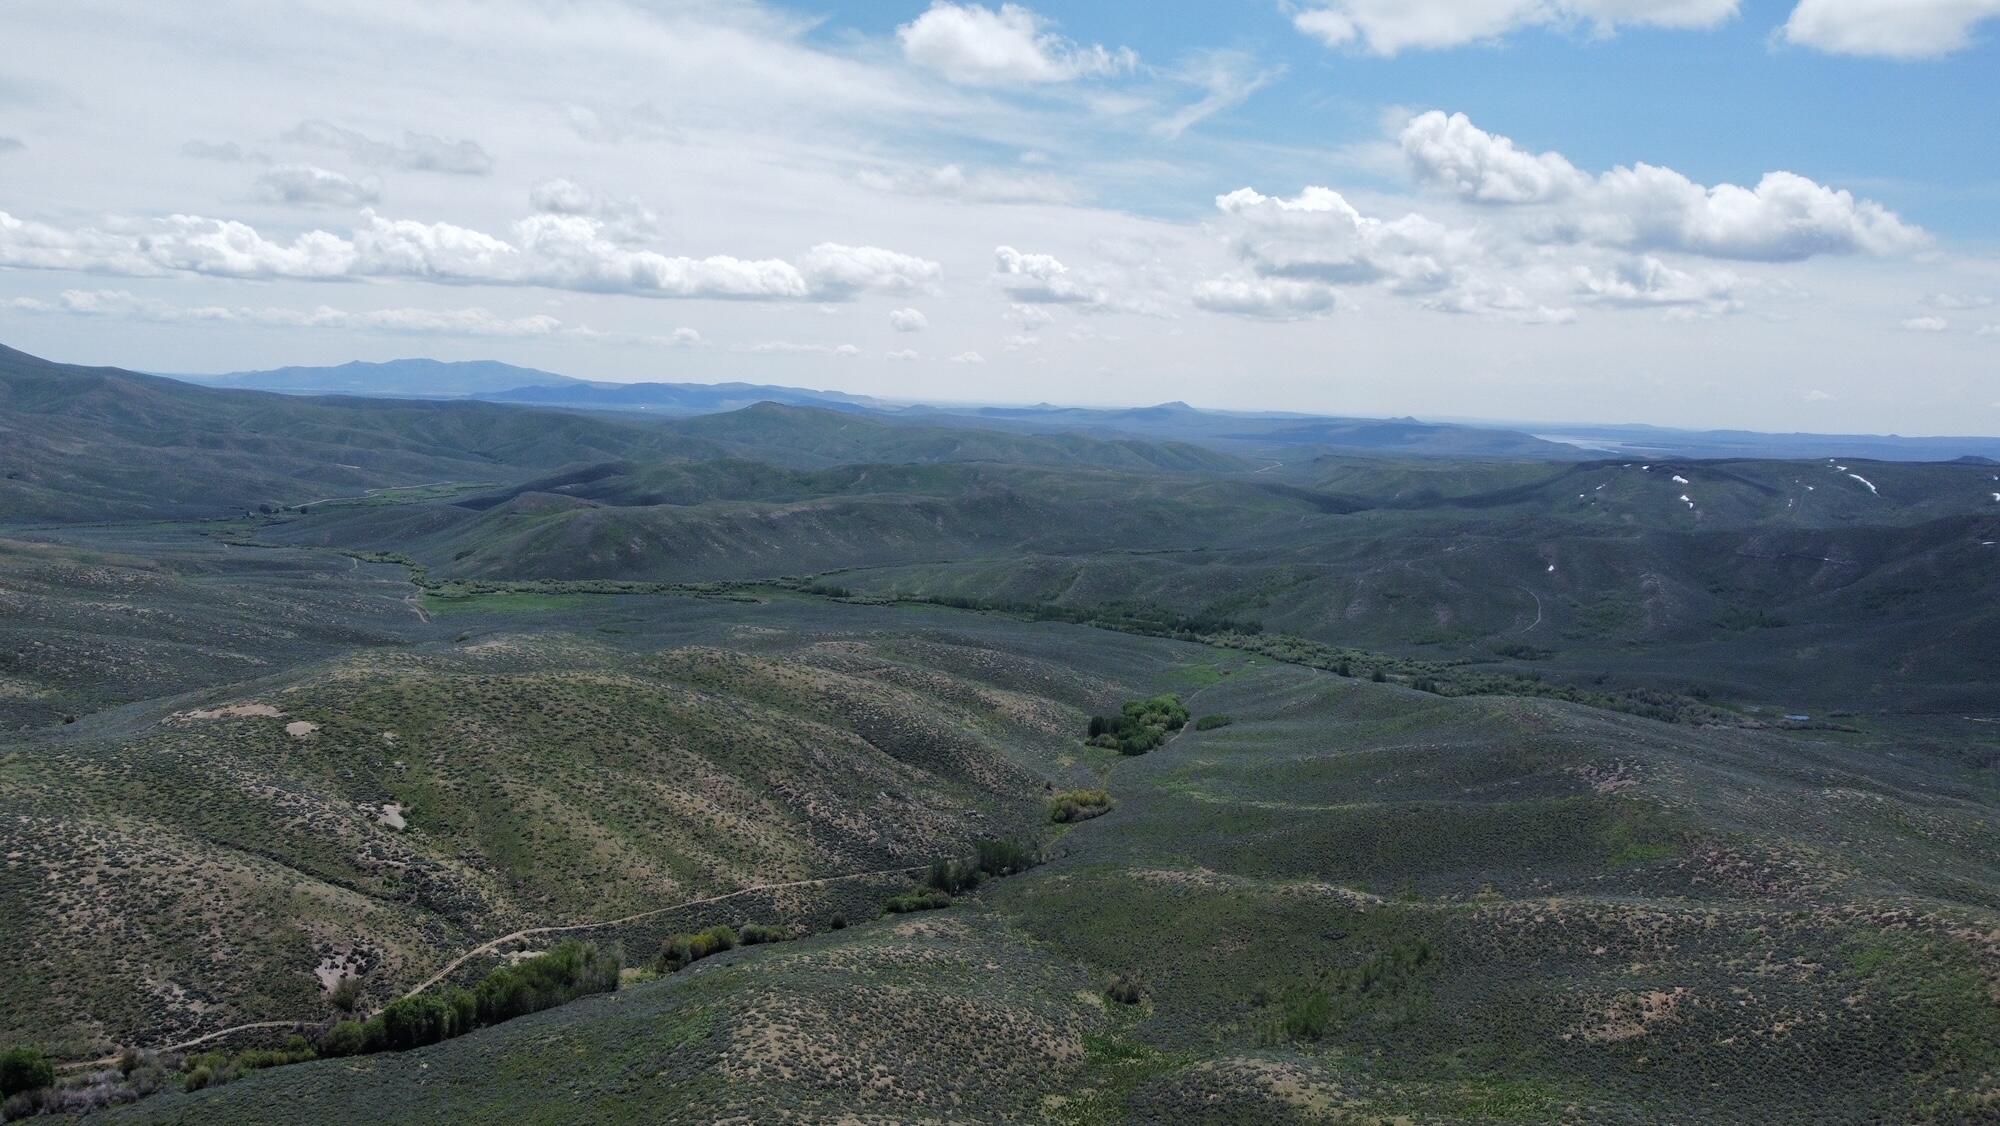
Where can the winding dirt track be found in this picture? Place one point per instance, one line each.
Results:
(493, 944)
(531, 932)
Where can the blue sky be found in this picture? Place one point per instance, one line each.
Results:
(1722, 104)
(1691, 212)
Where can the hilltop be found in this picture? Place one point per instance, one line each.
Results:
(96, 443)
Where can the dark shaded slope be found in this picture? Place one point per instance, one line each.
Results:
(807, 437)
(79, 443)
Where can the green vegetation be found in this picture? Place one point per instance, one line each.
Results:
(212, 1069)
(1461, 680)
(923, 899)
(1446, 865)
(684, 950)
(570, 970)
(561, 975)
(1069, 806)
(757, 934)
(1385, 988)
(991, 857)
(1140, 726)
(1124, 990)
(24, 1069)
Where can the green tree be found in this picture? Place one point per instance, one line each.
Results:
(25, 1069)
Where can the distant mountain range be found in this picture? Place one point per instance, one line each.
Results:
(1277, 435)
(491, 381)
(396, 379)
(677, 398)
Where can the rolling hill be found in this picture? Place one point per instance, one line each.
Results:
(808, 437)
(1514, 788)
(1355, 900)
(97, 443)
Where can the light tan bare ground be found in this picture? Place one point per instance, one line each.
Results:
(1631, 1015)
(232, 711)
(299, 728)
(340, 965)
(392, 816)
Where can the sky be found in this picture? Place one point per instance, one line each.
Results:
(1772, 215)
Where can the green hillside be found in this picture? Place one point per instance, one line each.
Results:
(1454, 790)
(1353, 899)
(98, 443)
(808, 436)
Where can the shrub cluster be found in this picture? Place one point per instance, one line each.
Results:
(32, 1084)
(991, 857)
(212, 1069)
(1386, 986)
(1123, 990)
(565, 973)
(757, 934)
(682, 950)
(571, 970)
(923, 899)
(954, 877)
(1140, 726)
(1003, 857)
(24, 1069)
(1078, 805)
(1212, 721)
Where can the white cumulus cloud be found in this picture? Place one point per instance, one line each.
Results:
(1786, 217)
(1041, 279)
(1893, 29)
(1927, 324)
(1319, 235)
(308, 185)
(1266, 298)
(1648, 282)
(1389, 27)
(1449, 151)
(836, 271)
(908, 320)
(557, 251)
(979, 46)
(627, 220)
